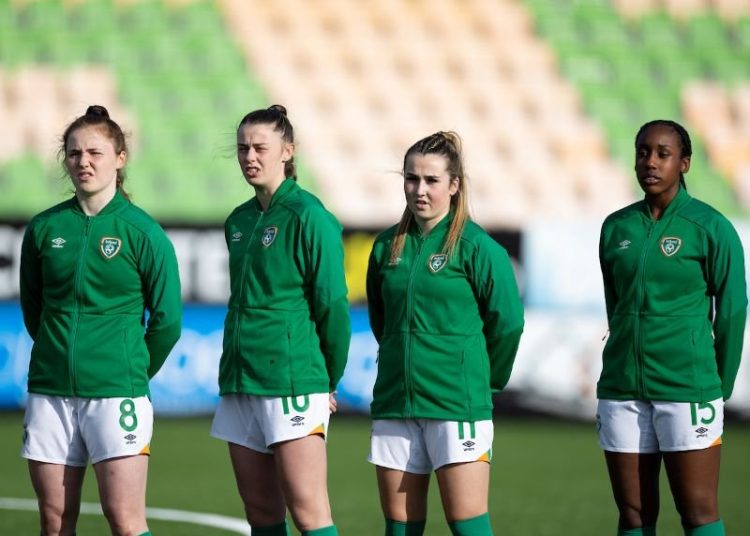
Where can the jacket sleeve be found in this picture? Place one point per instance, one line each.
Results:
(324, 251)
(161, 287)
(374, 295)
(31, 283)
(609, 290)
(726, 274)
(501, 308)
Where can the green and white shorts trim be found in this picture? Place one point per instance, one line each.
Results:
(639, 426)
(75, 431)
(424, 445)
(258, 422)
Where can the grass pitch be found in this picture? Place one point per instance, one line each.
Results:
(548, 478)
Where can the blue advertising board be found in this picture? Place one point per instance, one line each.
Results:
(187, 383)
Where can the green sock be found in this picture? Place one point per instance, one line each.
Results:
(274, 530)
(711, 529)
(146, 534)
(640, 531)
(474, 526)
(404, 528)
(322, 531)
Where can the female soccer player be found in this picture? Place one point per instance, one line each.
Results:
(286, 335)
(90, 268)
(674, 281)
(445, 310)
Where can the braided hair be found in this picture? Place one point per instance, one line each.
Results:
(686, 146)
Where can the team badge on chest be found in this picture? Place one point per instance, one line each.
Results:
(437, 262)
(269, 235)
(670, 245)
(110, 246)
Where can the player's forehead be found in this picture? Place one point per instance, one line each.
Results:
(258, 133)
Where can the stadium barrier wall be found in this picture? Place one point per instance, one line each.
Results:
(558, 363)
(556, 370)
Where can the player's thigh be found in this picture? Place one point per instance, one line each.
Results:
(635, 482)
(302, 469)
(464, 489)
(58, 490)
(258, 485)
(694, 480)
(403, 495)
(122, 486)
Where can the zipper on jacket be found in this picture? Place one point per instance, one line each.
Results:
(77, 303)
(641, 296)
(409, 317)
(245, 260)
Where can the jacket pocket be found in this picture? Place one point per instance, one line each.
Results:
(619, 363)
(110, 358)
(389, 393)
(445, 373)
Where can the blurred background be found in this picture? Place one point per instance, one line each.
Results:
(547, 96)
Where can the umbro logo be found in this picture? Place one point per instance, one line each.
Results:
(468, 445)
(297, 420)
(701, 432)
(624, 244)
(58, 242)
(236, 236)
(130, 439)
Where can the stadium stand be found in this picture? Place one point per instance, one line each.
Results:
(547, 96)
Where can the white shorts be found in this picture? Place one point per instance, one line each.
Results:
(639, 426)
(74, 431)
(424, 445)
(258, 422)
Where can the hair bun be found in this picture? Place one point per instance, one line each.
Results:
(96, 110)
(278, 108)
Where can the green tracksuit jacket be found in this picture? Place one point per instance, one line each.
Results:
(86, 282)
(676, 303)
(448, 328)
(287, 330)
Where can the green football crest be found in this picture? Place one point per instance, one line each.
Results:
(269, 235)
(110, 246)
(670, 245)
(438, 261)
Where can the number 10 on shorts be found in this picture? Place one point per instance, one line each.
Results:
(296, 404)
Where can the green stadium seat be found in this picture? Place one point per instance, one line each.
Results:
(707, 30)
(658, 31)
(25, 182)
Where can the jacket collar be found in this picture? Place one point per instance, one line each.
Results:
(115, 204)
(680, 199)
(440, 230)
(287, 187)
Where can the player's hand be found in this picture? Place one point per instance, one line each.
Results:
(332, 402)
